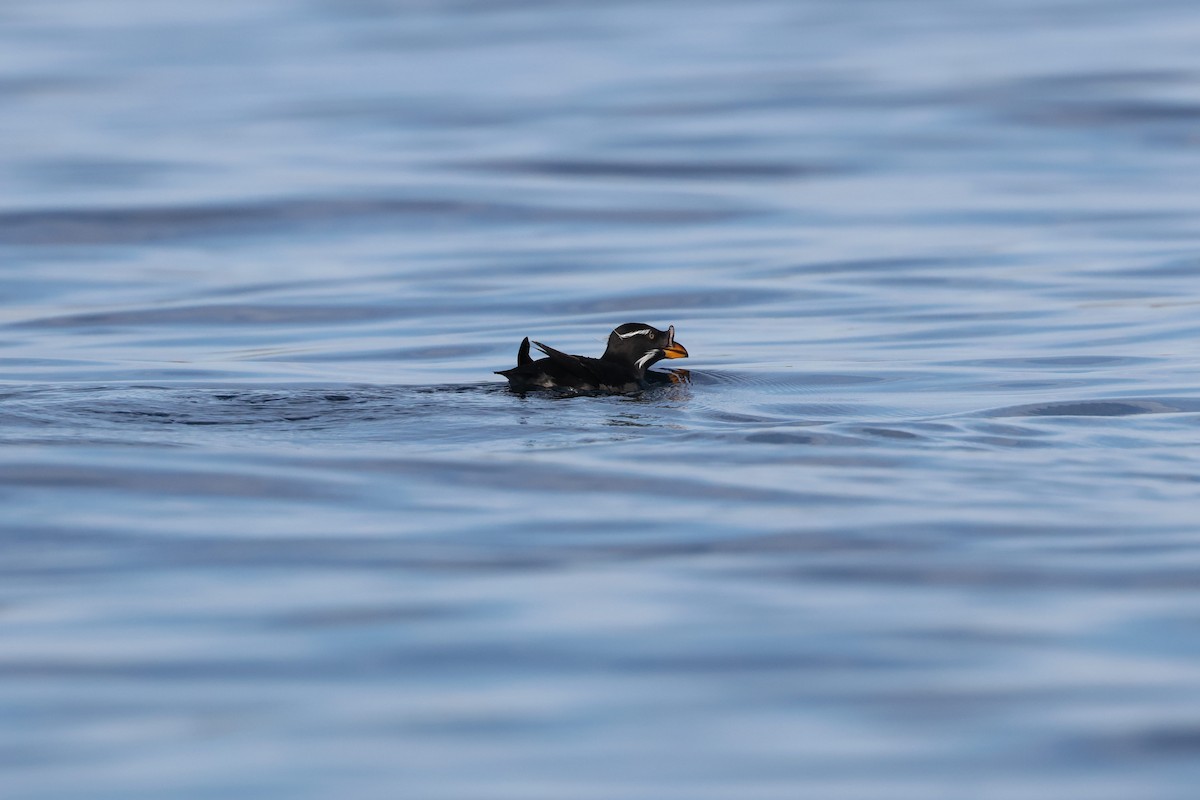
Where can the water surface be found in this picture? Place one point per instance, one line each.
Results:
(919, 522)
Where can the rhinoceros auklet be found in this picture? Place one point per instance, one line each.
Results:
(632, 348)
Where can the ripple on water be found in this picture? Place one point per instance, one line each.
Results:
(1117, 407)
(656, 170)
(151, 224)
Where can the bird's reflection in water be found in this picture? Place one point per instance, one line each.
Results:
(669, 377)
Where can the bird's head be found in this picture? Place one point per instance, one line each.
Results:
(642, 345)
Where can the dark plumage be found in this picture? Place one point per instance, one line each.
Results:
(632, 348)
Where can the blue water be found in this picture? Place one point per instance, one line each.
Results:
(920, 521)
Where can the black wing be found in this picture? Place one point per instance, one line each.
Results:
(588, 371)
(565, 371)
